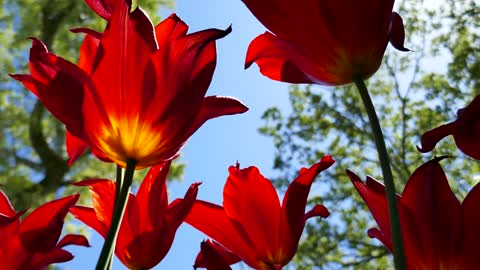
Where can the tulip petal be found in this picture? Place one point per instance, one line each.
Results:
(119, 65)
(6, 207)
(59, 84)
(75, 147)
(397, 33)
(430, 138)
(45, 223)
(152, 197)
(277, 59)
(214, 257)
(102, 7)
(103, 197)
(89, 48)
(42, 260)
(293, 207)
(88, 216)
(471, 223)
(73, 239)
(171, 28)
(373, 194)
(212, 220)
(431, 207)
(258, 210)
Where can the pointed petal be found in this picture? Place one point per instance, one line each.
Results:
(88, 216)
(119, 65)
(251, 200)
(102, 7)
(75, 147)
(214, 257)
(89, 48)
(433, 226)
(376, 233)
(277, 59)
(212, 221)
(171, 28)
(471, 223)
(215, 106)
(42, 260)
(6, 207)
(45, 224)
(73, 239)
(103, 197)
(59, 84)
(318, 211)
(152, 197)
(373, 194)
(397, 33)
(150, 247)
(293, 207)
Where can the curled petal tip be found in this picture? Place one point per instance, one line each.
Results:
(397, 33)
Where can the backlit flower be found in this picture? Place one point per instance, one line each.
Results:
(329, 42)
(32, 244)
(213, 256)
(465, 131)
(138, 92)
(149, 224)
(252, 224)
(438, 231)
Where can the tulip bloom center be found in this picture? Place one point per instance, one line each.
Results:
(120, 141)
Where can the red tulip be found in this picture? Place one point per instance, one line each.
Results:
(465, 131)
(438, 231)
(33, 243)
(329, 42)
(214, 257)
(252, 224)
(149, 224)
(138, 92)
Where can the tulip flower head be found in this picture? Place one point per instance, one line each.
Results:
(328, 42)
(465, 131)
(438, 231)
(149, 224)
(138, 91)
(252, 224)
(32, 244)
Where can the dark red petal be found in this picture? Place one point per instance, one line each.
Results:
(471, 233)
(251, 200)
(87, 215)
(152, 197)
(277, 59)
(102, 7)
(376, 233)
(214, 257)
(89, 48)
(433, 227)
(41, 260)
(397, 33)
(318, 211)
(59, 84)
(103, 197)
(373, 194)
(293, 206)
(75, 147)
(215, 106)
(6, 207)
(212, 221)
(73, 239)
(45, 223)
(171, 28)
(431, 138)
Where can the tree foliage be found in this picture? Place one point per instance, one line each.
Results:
(413, 93)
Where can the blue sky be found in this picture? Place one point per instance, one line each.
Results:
(222, 141)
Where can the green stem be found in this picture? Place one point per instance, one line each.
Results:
(106, 255)
(399, 255)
